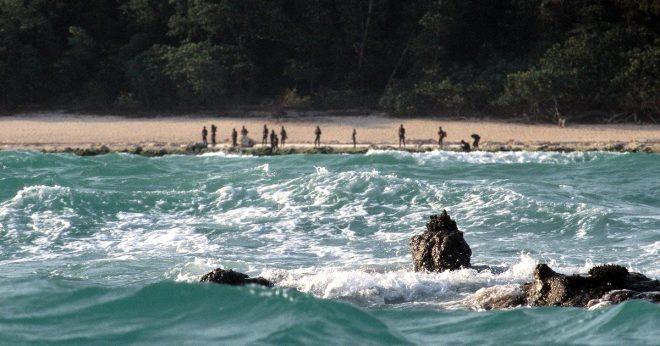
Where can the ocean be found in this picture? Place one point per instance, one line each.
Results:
(110, 249)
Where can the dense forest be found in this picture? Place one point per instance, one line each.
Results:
(536, 59)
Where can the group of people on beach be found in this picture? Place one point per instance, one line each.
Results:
(275, 140)
(442, 134)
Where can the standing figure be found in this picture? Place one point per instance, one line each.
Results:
(273, 140)
(283, 136)
(205, 134)
(214, 131)
(402, 136)
(317, 140)
(476, 138)
(465, 146)
(264, 138)
(234, 138)
(244, 131)
(441, 136)
(354, 136)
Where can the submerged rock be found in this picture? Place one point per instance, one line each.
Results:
(441, 247)
(232, 278)
(605, 283)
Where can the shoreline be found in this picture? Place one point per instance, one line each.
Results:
(163, 149)
(93, 135)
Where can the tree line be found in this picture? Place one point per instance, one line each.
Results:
(537, 59)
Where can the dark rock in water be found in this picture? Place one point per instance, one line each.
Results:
(608, 282)
(230, 277)
(196, 148)
(91, 151)
(441, 247)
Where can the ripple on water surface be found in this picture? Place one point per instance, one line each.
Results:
(335, 227)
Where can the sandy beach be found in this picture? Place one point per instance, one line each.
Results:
(53, 132)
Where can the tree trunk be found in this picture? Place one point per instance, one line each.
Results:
(365, 32)
(396, 67)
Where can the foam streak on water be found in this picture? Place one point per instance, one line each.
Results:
(90, 236)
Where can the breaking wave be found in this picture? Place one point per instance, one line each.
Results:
(102, 234)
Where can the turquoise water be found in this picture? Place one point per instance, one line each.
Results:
(108, 249)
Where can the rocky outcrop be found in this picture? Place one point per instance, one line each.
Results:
(233, 278)
(605, 283)
(441, 247)
(196, 148)
(247, 142)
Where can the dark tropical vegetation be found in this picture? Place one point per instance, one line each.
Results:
(584, 59)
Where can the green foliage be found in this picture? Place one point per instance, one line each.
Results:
(21, 28)
(291, 99)
(459, 57)
(191, 74)
(78, 60)
(203, 72)
(400, 102)
(639, 81)
(148, 81)
(577, 74)
(444, 94)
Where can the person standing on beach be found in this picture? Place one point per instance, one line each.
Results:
(273, 140)
(402, 136)
(317, 140)
(465, 146)
(234, 138)
(214, 131)
(244, 131)
(205, 134)
(441, 136)
(476, 138)
(264, 139)
(283, 136)
(354, 136)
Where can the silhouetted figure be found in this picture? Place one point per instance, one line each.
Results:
(283, 136)
(234, 138)
(273, 140)
(354, 136)
(205, 134)
(402, 136)
(465, 146)
(441, 136)
(317, 140)
(264, 138)
(244, 131)
(476, 138)
(214, 131)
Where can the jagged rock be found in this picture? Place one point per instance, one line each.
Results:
(618, 296)
(611, 283)
(233, 278)
(441, 247)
